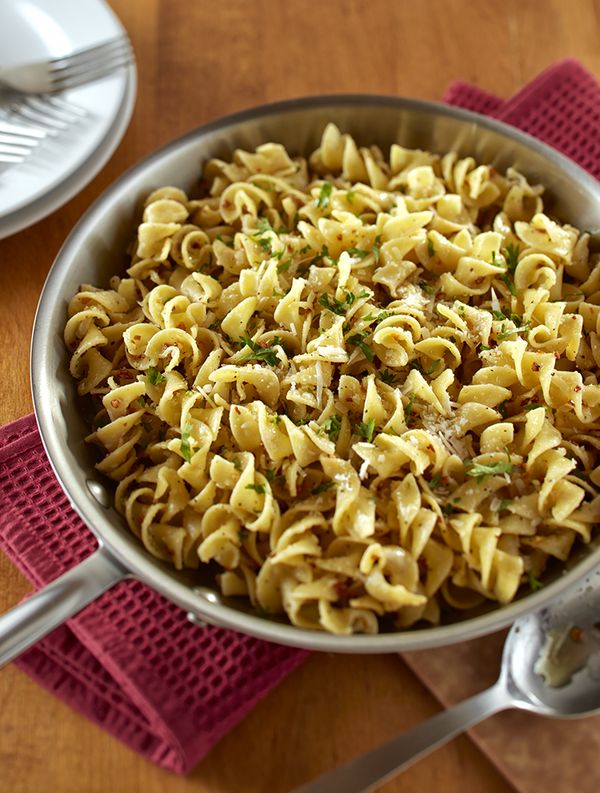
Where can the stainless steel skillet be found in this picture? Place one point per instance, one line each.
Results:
(95, 250)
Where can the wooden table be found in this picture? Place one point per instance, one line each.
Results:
(198, 61)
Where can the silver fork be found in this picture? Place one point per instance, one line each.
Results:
(78, 68)
(48, 112)
(17, 142)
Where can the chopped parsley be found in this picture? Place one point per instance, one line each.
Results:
(332, 426)
(506, 314)
(534, 583)
(509, 283)
(377, 248)
(480, 470)
(271, 475)
(366, 429)
(264, 225)
(511, 254)
(435, 481)
(427, 288)
(377, 317)
(282, 267)
(324, 252)
(155, 377)
(322, 488)
(341, 306)
(506, 333)
(447, 510)
(408, 407)
(257, 488)
(533, 406)
(186, 449)
(430, 247)
(430, 369)
(387, 376)
(504, 504)
(350, 195)
(325, 195)
(258, 353)
(358, 253)
(358, 340)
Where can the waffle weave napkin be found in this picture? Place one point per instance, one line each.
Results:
(131, 661)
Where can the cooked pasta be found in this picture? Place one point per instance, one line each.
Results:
(365, 389)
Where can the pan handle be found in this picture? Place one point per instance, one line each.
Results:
(32, 619)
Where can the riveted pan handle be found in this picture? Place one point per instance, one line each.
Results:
(32, 619)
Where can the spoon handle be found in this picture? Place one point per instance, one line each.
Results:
(369, 770)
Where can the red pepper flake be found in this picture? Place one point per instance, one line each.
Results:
(339, 237)
(535, 366)
(227, 204)
(115, 403)
(577, 389)
(576, 634)
(237, 410)
(137, 338)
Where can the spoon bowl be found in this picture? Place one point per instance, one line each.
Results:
(551, 658)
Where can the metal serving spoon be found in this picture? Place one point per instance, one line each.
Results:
(550, 665)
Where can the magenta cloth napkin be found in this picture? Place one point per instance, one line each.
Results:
(131, 661)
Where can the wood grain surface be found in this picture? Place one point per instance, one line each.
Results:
(197, 61)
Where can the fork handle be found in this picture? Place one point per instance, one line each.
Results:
(369, 770)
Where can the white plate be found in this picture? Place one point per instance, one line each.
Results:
(63, 164)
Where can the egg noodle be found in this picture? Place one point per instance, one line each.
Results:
(366, 390)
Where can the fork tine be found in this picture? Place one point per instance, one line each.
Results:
(97, 51)
(61, 104)
(96, 71)
(76, 65)
(17, 150)
(28, 114)
(10, 158)
(8, 128)
(19, 140)
(46, 107)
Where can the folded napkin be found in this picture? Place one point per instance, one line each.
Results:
(132, 662)
(562, 108)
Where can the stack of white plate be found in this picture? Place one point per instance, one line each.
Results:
(66, 161)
